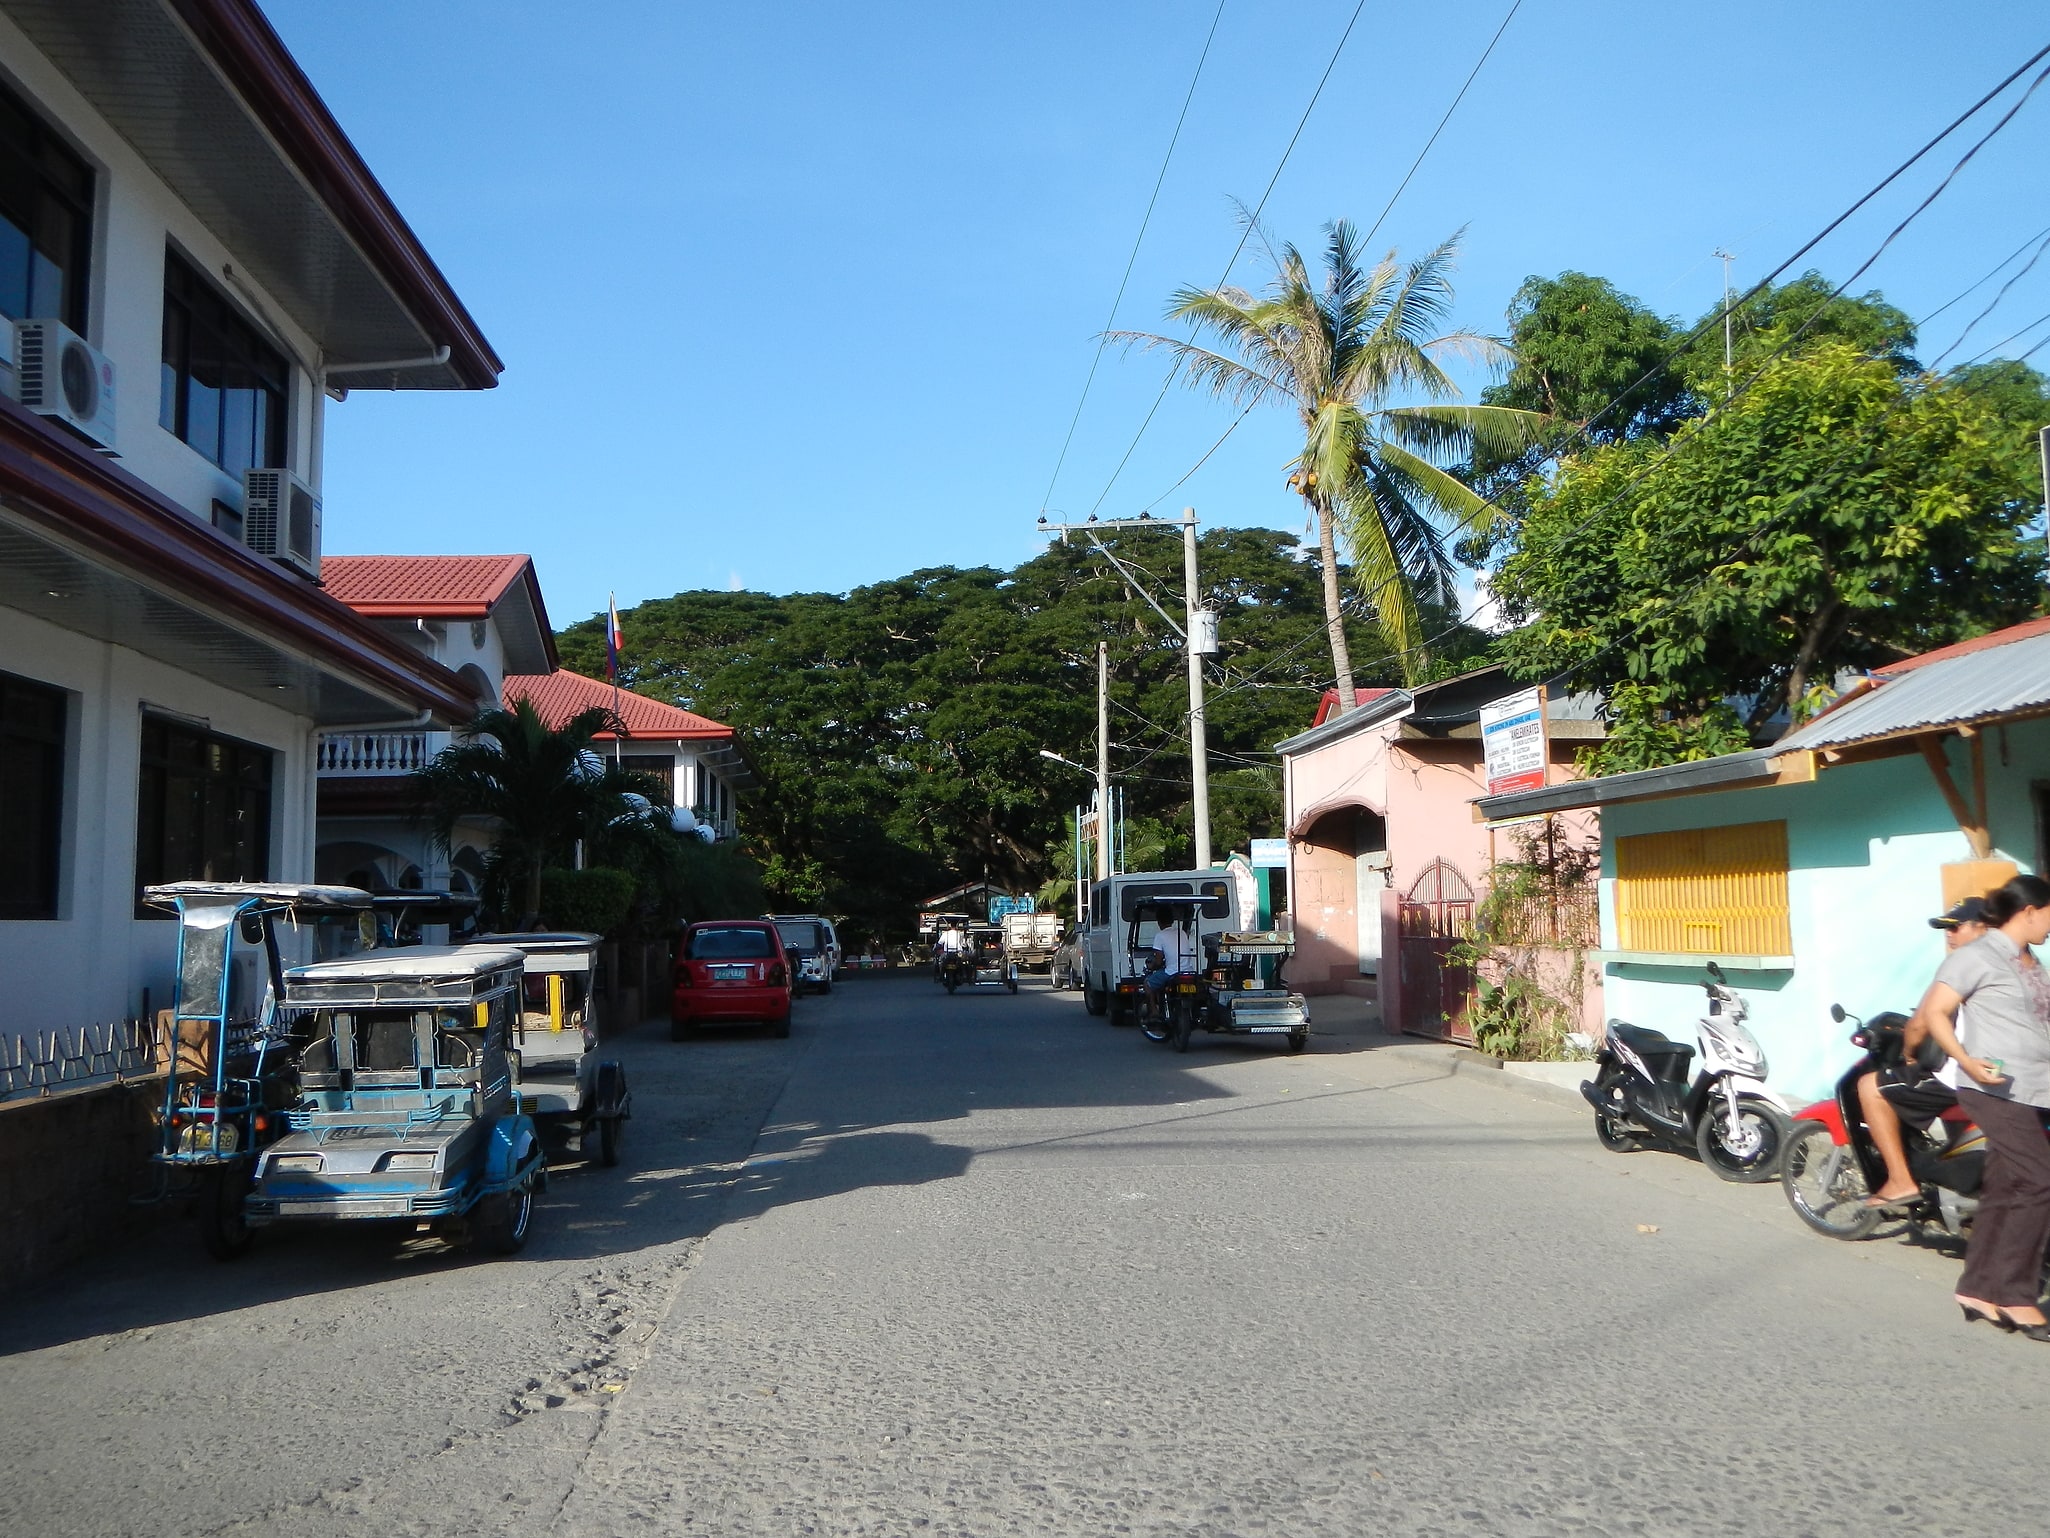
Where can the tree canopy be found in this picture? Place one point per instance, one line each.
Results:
(896, 728)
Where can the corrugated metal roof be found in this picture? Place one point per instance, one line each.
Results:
(1981, 684)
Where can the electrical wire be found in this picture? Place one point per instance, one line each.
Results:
(1983, 280)
(1402, 186)
(1132, 260)
(1251, 223)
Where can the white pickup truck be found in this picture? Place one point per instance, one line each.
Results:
(1030, 939)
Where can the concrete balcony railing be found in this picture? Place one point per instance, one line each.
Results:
(374, 753)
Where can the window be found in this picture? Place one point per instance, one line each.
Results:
(31, 797)
(228, 520)
(224, 388)
(660, 767)
(735, 944)
(203, 808)
(1705, 891)
(46, 201)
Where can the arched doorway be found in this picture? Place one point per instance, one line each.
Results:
(1432, 918)
(1344, 852)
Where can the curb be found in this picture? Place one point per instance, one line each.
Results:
(1468, 1062)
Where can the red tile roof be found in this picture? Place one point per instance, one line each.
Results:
(1987, 642)
(1329, 703)
(561, 694)
(423, 586)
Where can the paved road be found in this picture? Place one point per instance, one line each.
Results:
(982, 1266)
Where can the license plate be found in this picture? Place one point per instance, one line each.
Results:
(389, 1207)
(731, 974)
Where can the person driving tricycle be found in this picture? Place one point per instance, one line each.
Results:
(1173, 953)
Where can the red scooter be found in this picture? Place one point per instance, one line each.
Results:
(1831, 1164)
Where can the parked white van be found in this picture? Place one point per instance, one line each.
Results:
(816, 945)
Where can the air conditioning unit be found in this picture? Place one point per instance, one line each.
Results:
(66, 379)
(281, 519)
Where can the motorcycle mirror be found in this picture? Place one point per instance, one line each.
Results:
(1836, 1013)
(1715, 972)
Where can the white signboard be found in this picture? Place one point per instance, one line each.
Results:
(1513, 742)
(1270, 854)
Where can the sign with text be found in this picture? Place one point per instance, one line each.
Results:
(1513, 742)
(1270, 854)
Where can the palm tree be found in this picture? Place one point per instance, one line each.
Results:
(1338, 349)
(543, 787)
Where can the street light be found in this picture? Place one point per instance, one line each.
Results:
(1049, 753)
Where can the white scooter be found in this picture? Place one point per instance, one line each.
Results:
(1643, 1091)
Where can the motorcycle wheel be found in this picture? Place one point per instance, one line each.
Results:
(1614, 1135)
(1757, 1158)
(223, 1227)
(1151, 1026)
(499, 1224)
(1184, 1026)
(949, 984)
(1825, 1184)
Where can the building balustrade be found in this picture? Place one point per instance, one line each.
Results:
(374, 753)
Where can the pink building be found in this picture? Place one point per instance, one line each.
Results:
(1386, 857)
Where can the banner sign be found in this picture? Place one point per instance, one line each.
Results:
(1513, 742)
(1000, 907)
(1270, 854)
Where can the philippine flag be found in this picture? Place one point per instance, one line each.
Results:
(612, 637)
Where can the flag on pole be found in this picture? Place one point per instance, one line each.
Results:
(612, 637)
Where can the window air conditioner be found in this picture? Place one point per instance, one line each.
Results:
(281, 519)
(66, 379)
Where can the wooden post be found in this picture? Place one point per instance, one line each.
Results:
(1971, 823)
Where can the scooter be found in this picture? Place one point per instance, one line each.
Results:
(1831, 1165)
(1642, 1091)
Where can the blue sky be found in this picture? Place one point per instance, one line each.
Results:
(802, 297)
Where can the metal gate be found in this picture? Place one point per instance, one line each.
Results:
(1434, 916)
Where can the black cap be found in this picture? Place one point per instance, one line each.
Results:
(1971, 911)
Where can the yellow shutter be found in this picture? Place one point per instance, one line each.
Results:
(1705, 891)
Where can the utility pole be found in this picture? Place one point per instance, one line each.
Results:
(1103, 760)
(1729, 375)
(2043, 443)
(1199, 638)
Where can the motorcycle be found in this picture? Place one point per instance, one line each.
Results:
(1831, 1164)
(1181, 1008)
(1642, 1091)
(956, 968)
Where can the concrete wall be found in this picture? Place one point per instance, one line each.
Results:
(68, 1166)
(1866, 843)
(92, 962)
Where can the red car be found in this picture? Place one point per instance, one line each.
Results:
(730, 972)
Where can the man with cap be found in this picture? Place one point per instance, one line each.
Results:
(1906, 1091)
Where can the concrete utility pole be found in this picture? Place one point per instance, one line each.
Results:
(1103, 760)
(2043, 443)
(1199, 637)
(1199, 641)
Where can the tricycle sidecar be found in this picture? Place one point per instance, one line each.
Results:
(408, 1107)
(564, 1084)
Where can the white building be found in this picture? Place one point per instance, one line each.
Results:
(175, 197)
(693, 755)
(480, 616)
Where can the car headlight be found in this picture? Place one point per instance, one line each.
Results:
(295, 1164)
(408, 1161)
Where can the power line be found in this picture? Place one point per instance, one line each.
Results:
(1403, 185)
(1993, 305)
(1251, 223)
(1981, 282)
(1137, 241)
(1471, 74)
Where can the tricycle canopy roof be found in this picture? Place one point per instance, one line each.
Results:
(412, 975)
(269, 894)
(561, 951)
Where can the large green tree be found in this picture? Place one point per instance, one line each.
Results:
(1840, 513)
(896, 729)
(1355, 352)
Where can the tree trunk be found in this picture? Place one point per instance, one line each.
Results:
(531, 919)
(1334, 615)
(1804, 661)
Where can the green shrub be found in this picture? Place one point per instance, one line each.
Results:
(596, 901)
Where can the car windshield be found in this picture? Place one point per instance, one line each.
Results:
(800, 934)
(749, 943)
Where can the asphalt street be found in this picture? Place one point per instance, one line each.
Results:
(984, 1265)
